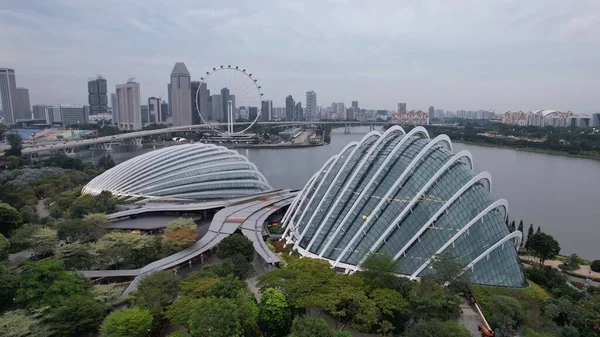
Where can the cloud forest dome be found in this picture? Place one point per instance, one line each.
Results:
(411, 197)
(190, 171)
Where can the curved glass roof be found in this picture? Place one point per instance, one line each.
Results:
(411, 197)
(190, 171)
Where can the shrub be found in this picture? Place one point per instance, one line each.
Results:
(595, 266)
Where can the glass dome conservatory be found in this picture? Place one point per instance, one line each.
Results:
(408, 196)
(190, 171)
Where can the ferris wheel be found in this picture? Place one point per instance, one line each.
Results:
(228, 94)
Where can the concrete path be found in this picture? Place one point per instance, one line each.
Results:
(470, 318)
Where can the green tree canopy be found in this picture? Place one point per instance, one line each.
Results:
(197, 286)
(10, 219)
(76, 256)
(125, 249)
(20, 238)
(378, 270)
(110, 295)
(132, 322)
(309, 326)
(4, 247)
(226, 287)
(390, 303)
(16, 145)
(180, 311)
(47, 283)
(156, 291)
(181, 238)
(94, 226)
(181, 223)
(77, 315)
(8, 287)
(19, 324)
(437, 328)
(543, 246)
(430, 301)
(215, 317)
(106, 162)
(43, 241)
(506, 314)
(235, 245)
(447, 267)
(274, 313)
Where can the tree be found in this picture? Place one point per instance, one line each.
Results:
(570, 263)
(512, 227)
(390, 303)
(226, 287)
(75, 256)
(539, 230)
(378, 270)
(506, 314)
(180, 238)
(385, 328)
(110, 294)
(447, 267)
(20, 238)
(106, 162)
(595, 266)
(156, 291)
(94, 226)
(529, 233)
(10, 219)
(180, 311)
(8, 287)
(28, 214)
(437, 329)
(274, 312)
(543, 246)
(521, 230)
(43, 241)
(309, 326)
(234, 245)
(47, 283)
(4, 247)
(132, 322)
(16, 145)
(77, 315)
(18, 324)
(247, 308)
(197, 286)
(125, 248)
(181, 223)
(215, 317)
(430, 301)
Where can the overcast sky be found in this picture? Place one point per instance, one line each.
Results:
(453, 54)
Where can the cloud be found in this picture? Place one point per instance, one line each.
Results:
(454, 54)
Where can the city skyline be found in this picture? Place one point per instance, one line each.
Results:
(496, 55)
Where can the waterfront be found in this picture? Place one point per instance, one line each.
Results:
(559, 193)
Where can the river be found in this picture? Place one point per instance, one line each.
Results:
(561, 194)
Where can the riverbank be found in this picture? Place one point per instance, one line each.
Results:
(269, 146)
(527, 149)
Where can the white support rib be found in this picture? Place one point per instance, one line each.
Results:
(458, 194)
(498, 203)
(292, 207)
(515, 234)
(355, 146)
(441, 171)
(391, 130)
(400, 180)
(414, 131)
(305, 196)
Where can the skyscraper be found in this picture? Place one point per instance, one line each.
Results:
(8, 94)
(216, 108)
(290, 107)
(195, 85)
(115, 108)
(74, 114)
(164, 110)
(266, 111)
(202, 96)
(224, 103)
(355, 105)
(39, 111)
(97, 96)
(145, 110)
(22, 105)
(311, 106)
(402, 107)
(431, 113)
(129, 109)
(299, 112)
(181, 95)
(252, 113)
(154, 110)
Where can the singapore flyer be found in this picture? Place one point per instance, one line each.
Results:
(229, 94)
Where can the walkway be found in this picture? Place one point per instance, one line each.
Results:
(470, 318)
(224, 223)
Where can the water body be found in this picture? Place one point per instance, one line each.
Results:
(561, 194)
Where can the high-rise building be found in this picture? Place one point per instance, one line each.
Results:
(311, 106)
(290, 107)
(8, 95)
(128, 103)
(164, 110)
(341, 111)
(180, 101)
(22, 105)
(115, 108)
(39, 111)
(195, 85)
(200, 106)
(154, 110)
(299, 112)
(266, 113)
(355, 105)
(71, 115)
(431, 113)
(97, 96)
(224, 105)
(145, 111)
(252, 113)
(401, 108)
(216, 108)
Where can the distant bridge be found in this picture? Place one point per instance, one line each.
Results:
(135, 138)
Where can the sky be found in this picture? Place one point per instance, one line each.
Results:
(452, 54)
